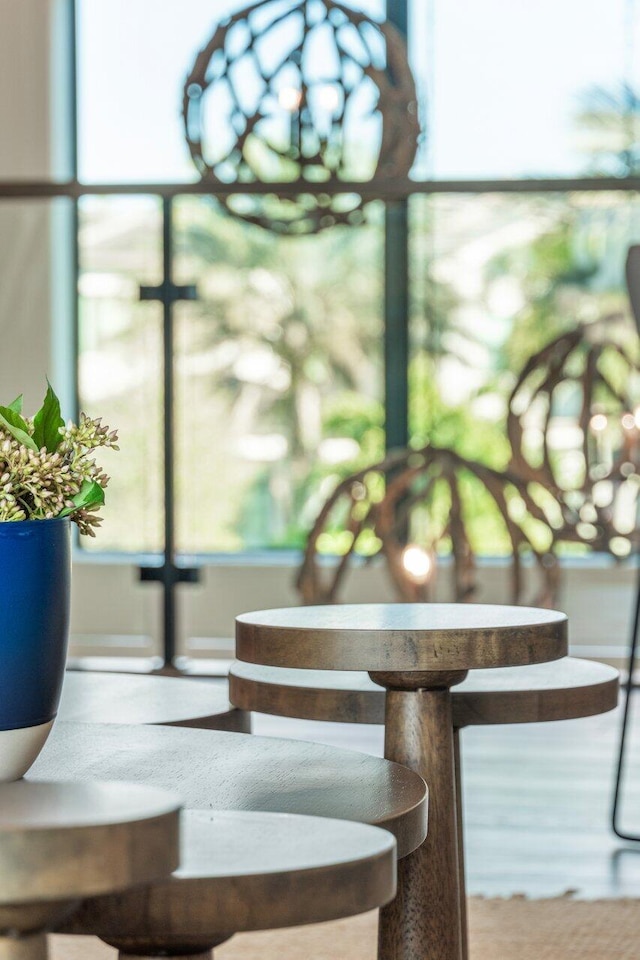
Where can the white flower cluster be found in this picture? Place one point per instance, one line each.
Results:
(41, 485)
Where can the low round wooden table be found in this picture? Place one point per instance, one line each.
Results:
(232, 771)
(62, 842)
(243, 871)
(417, 652)
(96, 697)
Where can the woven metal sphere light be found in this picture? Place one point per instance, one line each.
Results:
(574, 429)
(301, 92)
(416, 504)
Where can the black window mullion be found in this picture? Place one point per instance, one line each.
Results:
(396, 295)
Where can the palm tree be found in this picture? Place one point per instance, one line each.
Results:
(609, 123)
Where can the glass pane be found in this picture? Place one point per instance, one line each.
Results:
(279, 368)
(489, 109)
(496, 279)
(111, 613)
(544, 89)
(120, 362)
(36, 300)
(134, 56)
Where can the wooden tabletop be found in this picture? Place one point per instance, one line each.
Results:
(95, 697)
(561, 690)
(244, 870)
(401, 637)
(233, 771)
(64, 840)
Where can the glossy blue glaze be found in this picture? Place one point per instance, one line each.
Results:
(35, 577)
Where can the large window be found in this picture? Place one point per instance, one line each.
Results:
(289, 369)
(279, 366)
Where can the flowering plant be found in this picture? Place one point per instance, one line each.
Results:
(46, 467)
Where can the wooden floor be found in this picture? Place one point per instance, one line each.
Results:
(537, 802)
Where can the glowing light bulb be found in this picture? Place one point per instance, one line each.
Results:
(628, 421)
(417, 563)
(290, 99)
(328, 98)
(598, 422)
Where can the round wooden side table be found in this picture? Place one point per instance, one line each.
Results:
(417, 652)
(559, 690)
(97, 697)
(62, 842)
(244, 871)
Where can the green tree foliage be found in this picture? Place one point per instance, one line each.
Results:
(554, 285)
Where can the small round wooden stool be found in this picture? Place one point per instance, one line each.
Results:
(96, 697)
(244, 871)
(62, 842)
(417, 652)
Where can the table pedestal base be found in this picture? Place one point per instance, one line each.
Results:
(23, 927)
(202, 955)
(146, 948)
(464, 924)
(31, 946)
(424, 921)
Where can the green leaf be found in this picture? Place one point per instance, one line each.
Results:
(17, 427)
(16, 406)
(89, 495)
(47, 423)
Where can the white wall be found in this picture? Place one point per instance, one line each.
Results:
(598, 599)
(34, 245)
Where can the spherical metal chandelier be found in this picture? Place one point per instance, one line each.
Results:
(574, 430)
(301, 92)
(416, 504)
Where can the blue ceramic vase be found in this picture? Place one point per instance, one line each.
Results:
(35, 586)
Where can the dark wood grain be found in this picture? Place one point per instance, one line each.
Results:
(566, 689)
(424, 920)
(401, 636)
(233, 771)
(340, 696)
(93, 697)
(561, 690)
(462, 882)
(244, 871)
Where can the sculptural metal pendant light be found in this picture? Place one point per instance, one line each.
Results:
(301, 92)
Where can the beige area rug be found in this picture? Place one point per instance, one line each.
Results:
(515, 929)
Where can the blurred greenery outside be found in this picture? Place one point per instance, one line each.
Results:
(279, 366)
